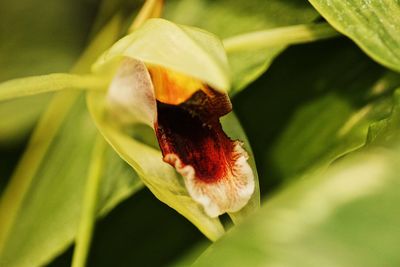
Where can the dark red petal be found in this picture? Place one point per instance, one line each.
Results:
(192, 140)
(192, 131)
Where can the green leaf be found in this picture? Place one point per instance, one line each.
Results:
(49, 83)
(271, 42)
(386, 131)
(373, 25)
(90, 202)
(41, 37)
(228, 18)
(47, 220)
(321, 113)
(336, 124)
(159, 177)
(132, 235)
(180, 48)
(296, 34)
(15, 122)
(40, 206)
(333, 219)
(36, 38)
(310, 108)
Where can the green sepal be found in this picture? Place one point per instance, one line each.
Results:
(188, 50)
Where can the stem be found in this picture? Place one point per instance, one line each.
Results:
(49, 83)
(280, 36)
(157, 11)
(89, 209)
(150, 9)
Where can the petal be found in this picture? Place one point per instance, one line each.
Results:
(173, 87)
(234, 130)
(189, 52)
(180, 48)
(214, 167)
(131, 96)
(188, 130)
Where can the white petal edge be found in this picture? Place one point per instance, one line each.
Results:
(229, 194)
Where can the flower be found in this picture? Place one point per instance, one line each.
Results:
(175, 80)
(184, 113)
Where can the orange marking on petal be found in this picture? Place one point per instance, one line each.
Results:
(172, 87)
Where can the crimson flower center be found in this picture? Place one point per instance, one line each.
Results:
(192, 131)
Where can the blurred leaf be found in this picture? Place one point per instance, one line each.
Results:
(227, 18)
(41, 205)
(334, 219)
(48, 218)
(180, 48)
(142, 231)
(122, 239)
(332, 125)
(37, 37)
(294, 34)
(16, 120)
(387, 131)
(48, 83)
(373, 25)
(107, 9)
(323, 110)
(311, 108)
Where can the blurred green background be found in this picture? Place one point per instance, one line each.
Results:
(297, 115)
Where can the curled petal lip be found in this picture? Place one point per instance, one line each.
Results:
(214, 167)
(131, 97)
(189, 133)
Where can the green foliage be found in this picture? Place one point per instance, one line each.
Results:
(37, 37)
(46, 185)
(323, 123)
(325, 108)
(227, 18)
(46, 83)
(340, 218)
(373, 25)
(52, 202)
